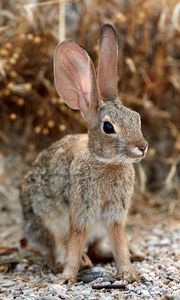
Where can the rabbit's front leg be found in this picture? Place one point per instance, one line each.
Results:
(74, 250)
(121, 253)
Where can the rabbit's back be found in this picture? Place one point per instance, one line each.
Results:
(46, 186)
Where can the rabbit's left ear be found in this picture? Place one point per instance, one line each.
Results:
(108, 63)
(75, 79)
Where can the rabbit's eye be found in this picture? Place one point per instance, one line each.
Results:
(108, 127)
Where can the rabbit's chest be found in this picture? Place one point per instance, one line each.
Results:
(101, 193)
(111, 192)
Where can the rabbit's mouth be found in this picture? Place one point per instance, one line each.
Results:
(138, 153)
(135, 154)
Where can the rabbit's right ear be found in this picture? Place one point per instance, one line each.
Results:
(75, 78)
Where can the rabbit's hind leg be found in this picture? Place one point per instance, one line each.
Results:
(57, 225)
(86, 262)
(39, 235)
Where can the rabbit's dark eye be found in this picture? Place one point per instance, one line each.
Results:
(108, 127)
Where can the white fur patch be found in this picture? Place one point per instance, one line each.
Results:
(146, 150)
(136, 151)
(116, 159)
(108, 160)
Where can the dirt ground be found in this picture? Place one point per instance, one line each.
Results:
(154, 235)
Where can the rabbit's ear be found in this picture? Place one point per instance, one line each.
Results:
(75, 78)
(108, 61)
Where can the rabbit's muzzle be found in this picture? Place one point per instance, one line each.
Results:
(140, 150)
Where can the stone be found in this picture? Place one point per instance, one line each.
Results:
(92, 273)
(57, 289)
(145, 293)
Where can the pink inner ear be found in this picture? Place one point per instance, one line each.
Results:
(75, 78)
(81, 77)
(85, 89)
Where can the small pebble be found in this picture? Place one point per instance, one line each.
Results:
(119, 282)
(8, 284)
(145, 293)
(170, 270)
(57, 289)
(50, 298)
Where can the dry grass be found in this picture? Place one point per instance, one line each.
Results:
(31, 113)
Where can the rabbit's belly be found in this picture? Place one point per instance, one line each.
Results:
(96, 232)
(110, 206)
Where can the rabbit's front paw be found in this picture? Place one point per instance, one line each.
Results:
(68, 278)
(130, 276)
(55, 267)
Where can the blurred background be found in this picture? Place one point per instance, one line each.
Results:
(31, 114)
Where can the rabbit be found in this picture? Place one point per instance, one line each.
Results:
(79, 189)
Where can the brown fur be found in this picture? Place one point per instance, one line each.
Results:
(75, 245)
(80, 188)
(120, 247)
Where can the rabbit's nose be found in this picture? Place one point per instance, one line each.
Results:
(143, 149)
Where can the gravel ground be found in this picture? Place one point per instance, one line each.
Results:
(155, 235)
